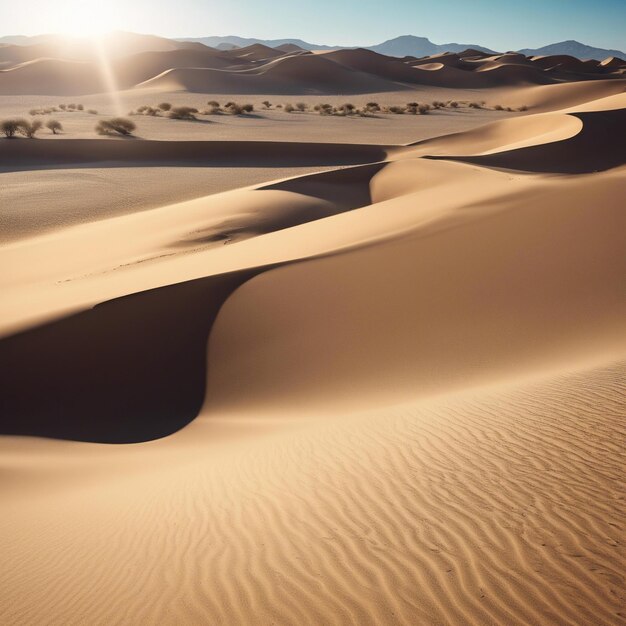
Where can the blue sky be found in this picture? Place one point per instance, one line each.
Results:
(498, 24)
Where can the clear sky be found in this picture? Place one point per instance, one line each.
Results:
(498, 24)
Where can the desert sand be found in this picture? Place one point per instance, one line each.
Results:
(292, 369)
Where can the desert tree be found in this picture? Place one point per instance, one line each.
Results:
(55, 126)
(29, 129)
(9, 128)
(119, 125)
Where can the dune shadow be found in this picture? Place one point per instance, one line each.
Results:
(128, 370)
(78, 153)
(599, 146)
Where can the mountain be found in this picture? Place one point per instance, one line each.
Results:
(412, 46)
(242, 42)
(574, 49)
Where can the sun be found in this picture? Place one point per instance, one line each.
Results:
(85, 18)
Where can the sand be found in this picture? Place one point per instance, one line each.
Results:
(316, 379)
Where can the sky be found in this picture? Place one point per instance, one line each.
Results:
(497, 24)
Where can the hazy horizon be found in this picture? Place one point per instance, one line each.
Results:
(503, 26)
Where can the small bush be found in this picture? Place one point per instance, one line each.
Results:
(279, 106)
(475, 105)
(92, 111)
(372, 107)
(165, 106)
(247, 108)
(289, 108)
(323, 109)
(411, 108)
(63, 107)
(71, 107)
(301, 106)
(523, 108)
(498, 107)
(214, 107)
(80, 107)
(55, 126)
(10, 127)
(454, 104)
(437, 104)
(397, 110)
(423, 109)
(183, 113)
(266, 104)
(119, 125)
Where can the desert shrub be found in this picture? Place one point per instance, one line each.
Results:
(164, 106)
(92, 111)
(289, 108)
(302, 106)
(182, 113)
(55, 126)
(214, 107)
(396, 110)
(141, 108)
(35, 112)
(454, 104)
(411, 108)
(372, 107)
(71, 107)
(63, 107)
(279, 106)
(498, 107)
(151, 111)
(509, 109)
(423, 109)
(238, 109)
(29, 129)
(475, 105)
(523, 108)
(266, 104)
(437, 104)
(10, 127)
(80, 107)
(323, 109)
(119, 125)
(348, 108)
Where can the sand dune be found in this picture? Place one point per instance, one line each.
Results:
(286, 75)
(402, 380)
(52, 77)
(162, 64)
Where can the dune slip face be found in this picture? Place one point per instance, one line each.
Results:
(378, 383)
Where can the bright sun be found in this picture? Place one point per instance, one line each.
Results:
(84, 18)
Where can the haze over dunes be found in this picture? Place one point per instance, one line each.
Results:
(296, 367)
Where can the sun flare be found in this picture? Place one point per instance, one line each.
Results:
(84, 18)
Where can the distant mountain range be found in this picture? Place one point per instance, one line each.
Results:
(411, 45)
(574, 49)
(405, 45)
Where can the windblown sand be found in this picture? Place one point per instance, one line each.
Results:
(366, 381)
